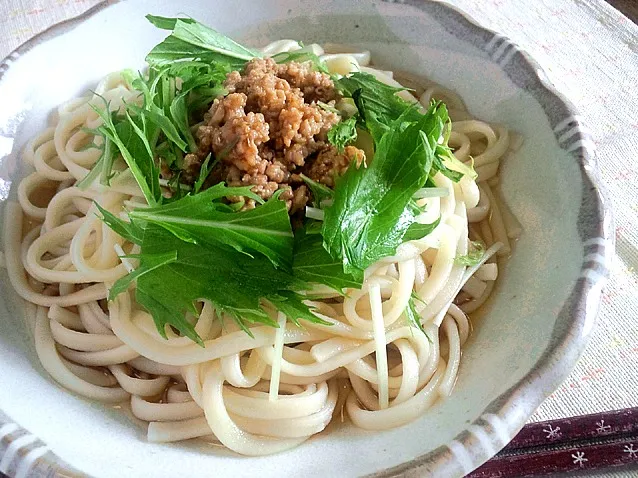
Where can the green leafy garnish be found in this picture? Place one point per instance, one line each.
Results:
(197, 248)
(128, 230)
(205, 220)
(102, 168)
(151, 262)
(418, 231)
(416, 298)
(370, 216)
(343, 133)
(327, 107)
(204, 172)
(414, 319)
(191, 40)
(179, 114)
(301, 56)
(166, 23)
(379, 107)
(320, 192)
(132, 136)
(160, 127)
(235, 284)
(475, 254)
(378, 103)
(313, 264)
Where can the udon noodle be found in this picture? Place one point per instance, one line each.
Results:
(270, 392)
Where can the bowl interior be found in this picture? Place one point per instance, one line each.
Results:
(542, 185)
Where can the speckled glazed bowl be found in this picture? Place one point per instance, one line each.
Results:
(521, 349)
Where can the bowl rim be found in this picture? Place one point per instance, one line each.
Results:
(508, 413)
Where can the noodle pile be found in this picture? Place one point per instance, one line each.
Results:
(270, 392)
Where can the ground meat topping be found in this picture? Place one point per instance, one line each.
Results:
(330, 163)
(269, 128)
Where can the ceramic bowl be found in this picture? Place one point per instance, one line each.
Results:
(521, 349)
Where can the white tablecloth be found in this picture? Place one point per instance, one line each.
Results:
(590, 52)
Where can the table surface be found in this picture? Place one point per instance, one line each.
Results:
(600, 80)
(628, 7)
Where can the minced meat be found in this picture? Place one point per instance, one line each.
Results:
(268, 129)
(330, 163)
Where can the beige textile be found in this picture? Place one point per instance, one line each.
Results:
(590, 52)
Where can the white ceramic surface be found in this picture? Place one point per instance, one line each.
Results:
(535, 327)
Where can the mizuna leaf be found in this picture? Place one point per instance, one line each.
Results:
(370, 215)
(199, 219)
